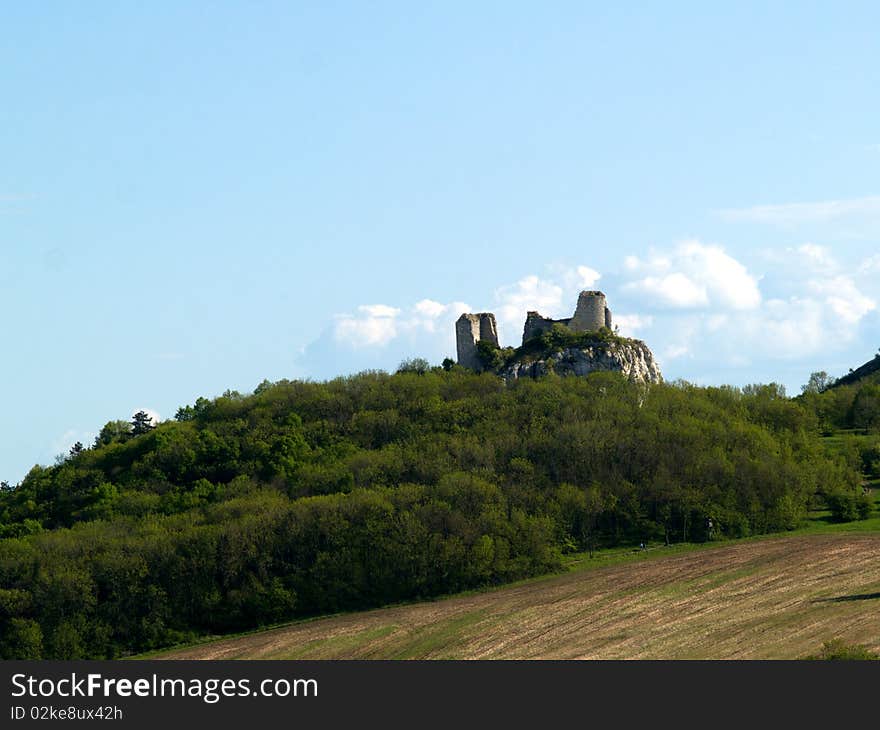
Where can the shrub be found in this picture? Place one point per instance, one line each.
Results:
(847, 506)
(417, 365)
(837, 650)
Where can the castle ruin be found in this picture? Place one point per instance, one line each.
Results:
(469, 330)
(590, 315)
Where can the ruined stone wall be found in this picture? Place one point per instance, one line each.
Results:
(590, 313)
(536, 325)
(488, 327)
(470, 329)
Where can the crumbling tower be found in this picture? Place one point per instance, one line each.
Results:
(470, 329)
(592, 313)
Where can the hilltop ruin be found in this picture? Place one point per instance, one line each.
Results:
(590, 315)
(577, 345)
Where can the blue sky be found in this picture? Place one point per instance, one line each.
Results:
(197, 196)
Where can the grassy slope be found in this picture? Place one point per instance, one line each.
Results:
(776, 597)
(768, 597)
(772, 598)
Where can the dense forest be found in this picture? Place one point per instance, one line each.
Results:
(306, 498)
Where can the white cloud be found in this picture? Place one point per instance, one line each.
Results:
(673, 352)
(789, 328)
(379, 310)
(844, 298)
(819, 257)
(428, 315)
(823, 314)
(429, 308)
(529, 293)
(727, 281)
(695, 275)
(376, 325)
(792, 214)
(588, 277)
(708, 307)
(655, 263)
(674, 290)
(629, 324)
(456, 309)
(802, 260)
(870, 265)
(716, 322)
(681, 337)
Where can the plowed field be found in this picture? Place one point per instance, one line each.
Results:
(772, 598)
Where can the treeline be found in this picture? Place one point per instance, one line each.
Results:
(851, 405)
(306, 498)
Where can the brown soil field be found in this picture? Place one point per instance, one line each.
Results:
(778, 598)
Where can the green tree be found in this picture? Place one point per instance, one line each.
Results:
(141, 422)
(866, 407)
(595, 504)
(819, 382)
(21, 638)
(112, 432)
(490, 355)
(417, 365)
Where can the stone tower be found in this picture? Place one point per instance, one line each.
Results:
(592, 313)
(470, 329)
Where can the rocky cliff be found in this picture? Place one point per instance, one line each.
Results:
(633, 358)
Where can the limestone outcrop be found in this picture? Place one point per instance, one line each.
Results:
(632, 358)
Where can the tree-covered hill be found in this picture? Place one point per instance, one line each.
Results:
(305, 498)
(870, 371)
(850, 402)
